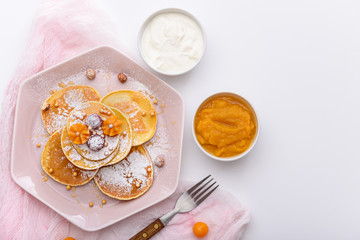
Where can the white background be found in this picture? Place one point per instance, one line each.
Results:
(298, 63)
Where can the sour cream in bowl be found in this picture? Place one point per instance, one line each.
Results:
(171, 41)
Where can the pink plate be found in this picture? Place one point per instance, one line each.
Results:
(73, 204)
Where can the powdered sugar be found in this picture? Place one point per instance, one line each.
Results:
(74, 97)
(124, 148)
(82, 174)
(118, 175)
(57, 117)
(124, 141)
(78, 109)
(79, 115)
(58, 120)
(39, 136)
(73, 155)
(159, 145)
(66, 148)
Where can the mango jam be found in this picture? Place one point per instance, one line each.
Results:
(225, 125)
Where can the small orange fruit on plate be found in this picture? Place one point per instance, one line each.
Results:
(79, 133)
(112, 126)
(200, 229)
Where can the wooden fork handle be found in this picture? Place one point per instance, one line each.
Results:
(149, 231)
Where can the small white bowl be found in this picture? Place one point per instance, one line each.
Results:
(148, 20)
(256, 136)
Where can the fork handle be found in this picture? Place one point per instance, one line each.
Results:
(149, 231)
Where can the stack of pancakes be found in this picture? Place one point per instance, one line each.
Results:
(100, 139)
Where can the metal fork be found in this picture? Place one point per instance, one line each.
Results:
(186, 202)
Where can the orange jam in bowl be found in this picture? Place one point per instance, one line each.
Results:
(225, 126)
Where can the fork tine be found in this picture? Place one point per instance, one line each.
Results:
(196, 185)
(200, 188)
(204, 197)
(202, 193)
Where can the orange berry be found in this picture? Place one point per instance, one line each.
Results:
(112, 126)
(69, 238)
(200, 229)
(79, 133)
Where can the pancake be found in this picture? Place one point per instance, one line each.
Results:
(128, 179)
(62, 170)
(139, 110)
(75, 158)
(56, 109)
(125, 141)
(79, 115)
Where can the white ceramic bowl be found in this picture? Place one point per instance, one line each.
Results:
(148, 20)
(256, 136)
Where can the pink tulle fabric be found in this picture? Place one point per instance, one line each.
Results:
(62, 30)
